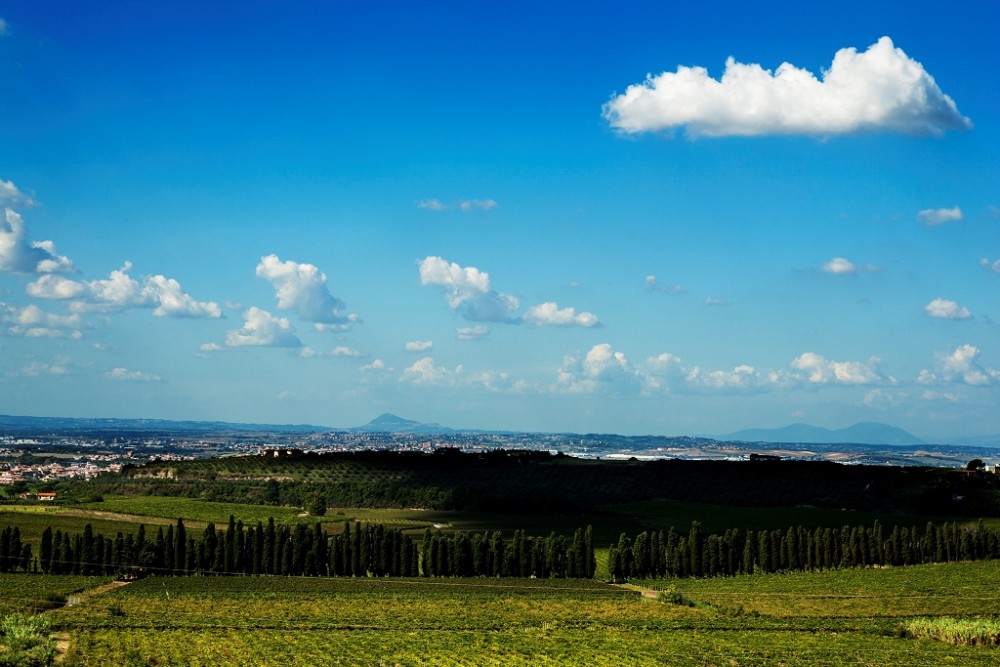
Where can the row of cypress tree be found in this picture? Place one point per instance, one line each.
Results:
(489, 555)
(301, 550)
(697, 554)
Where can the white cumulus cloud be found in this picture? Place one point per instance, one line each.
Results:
(550, 314)
(423, 371)
(302, 288)
(601, 370)
(959, 366)
(32, 322)
(19, 255)
(120, 290)
(418, 345)
(11, 195)
(938, 216)
(468, 290)
(820, 370)
(260, 328)
(880, 89)
(947, 310)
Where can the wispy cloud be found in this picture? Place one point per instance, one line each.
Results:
(4, 28)
(840, 266)
(878, 90)
(464, 205)
(476, 332)
(938, 216)
(125, 375)
(654, 285)
(947, 310)
(992, 266)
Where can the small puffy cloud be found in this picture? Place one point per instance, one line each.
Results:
(377, 365)
(480, 204)
(260, 328)
(432, 205)
(210, 347)
(423, 371)
(32, 322)
(947, 310)
(938, 216)
(418, 345)
(171, 301)
(467, 289)
(601, 370)
(820, 370)
(840, 266)
(302, 288)
(712, 301)
(881, 89)
(19, 255)
(654, 285)
(475, 332)
(345, 351)
(550, 314)
(991, 266)
(959, 366)
(51, 286)
(125, 375)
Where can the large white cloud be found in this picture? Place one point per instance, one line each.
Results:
(550, 313)
(302, 288)
(947, 310)
(938, 216)
(120, 290)
(959, 366)
(19, 255)
(468, 290)
(261, 328)
(880, 89)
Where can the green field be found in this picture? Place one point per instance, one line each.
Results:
(833, 618)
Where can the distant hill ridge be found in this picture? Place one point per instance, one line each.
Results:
(390, 423)
(871, 433)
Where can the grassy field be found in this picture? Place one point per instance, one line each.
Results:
(835, 618)
(26, 593)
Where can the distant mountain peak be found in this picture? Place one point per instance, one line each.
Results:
(390, 423)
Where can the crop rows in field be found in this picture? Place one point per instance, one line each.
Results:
(293, 621)
(26, 593)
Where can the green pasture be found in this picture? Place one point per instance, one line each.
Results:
(825, 618)
(30, 593)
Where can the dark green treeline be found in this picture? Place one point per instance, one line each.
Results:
(302, 550)
(696, 554)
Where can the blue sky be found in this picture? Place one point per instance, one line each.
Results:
(527, 216)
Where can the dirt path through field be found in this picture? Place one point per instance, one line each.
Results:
(646, 593)
(63, 638)
(132, 518)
